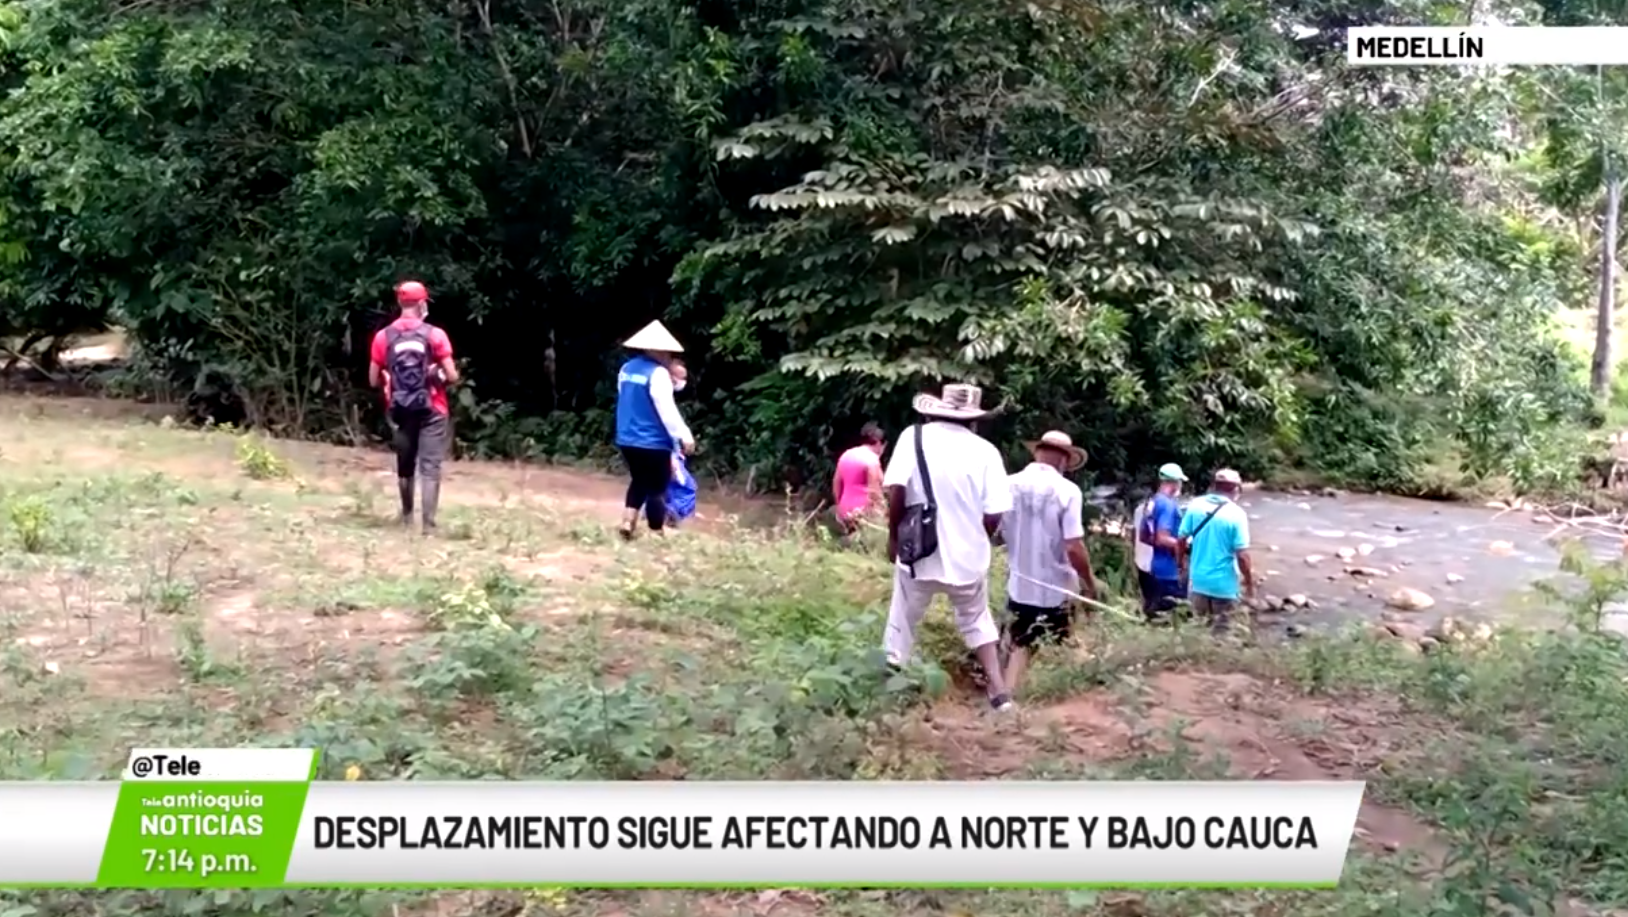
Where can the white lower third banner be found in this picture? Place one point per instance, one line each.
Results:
(185, 825)
(813, 834)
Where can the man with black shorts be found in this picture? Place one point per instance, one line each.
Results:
(1045, 544)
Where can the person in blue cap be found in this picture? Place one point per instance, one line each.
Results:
(1158, 520)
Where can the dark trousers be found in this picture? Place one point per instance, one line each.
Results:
(1159, 596)
(1217, 611)
(648, 470)
(421, 440)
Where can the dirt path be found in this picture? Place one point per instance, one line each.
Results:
(1252, 729)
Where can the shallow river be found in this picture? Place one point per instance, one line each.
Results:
(1479, 563)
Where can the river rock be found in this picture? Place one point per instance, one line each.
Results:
(1429, 644)
(1313, 560)
(1496, 504)
(1409, 599)
(1298, 600)
(1330, 492)
(1365, 549)
(1295, 630)
(1366, 571)
(1403, 630)
(1330, 534)
(1346, 553)
(1446, 630)
(1302, 506)
(1454, 578)
(1501, 548)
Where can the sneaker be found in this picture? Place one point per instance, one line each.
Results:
(1002, 703)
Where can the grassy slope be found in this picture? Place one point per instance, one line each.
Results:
(163, 586)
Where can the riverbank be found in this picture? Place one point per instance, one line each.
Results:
(224, 590)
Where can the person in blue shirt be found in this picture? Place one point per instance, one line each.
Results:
(647, 425)
(1158, 521)
(1213, 552)
(681, 488)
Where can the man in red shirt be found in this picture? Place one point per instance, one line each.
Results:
(411, 361)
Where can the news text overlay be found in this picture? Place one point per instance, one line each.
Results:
(1499, 46)
(149, 833)
(206, 818)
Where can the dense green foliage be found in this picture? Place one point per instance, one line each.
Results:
(1176, 229)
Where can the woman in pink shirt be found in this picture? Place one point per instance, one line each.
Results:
(857, 486)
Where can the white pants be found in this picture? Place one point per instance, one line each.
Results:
(911, 597)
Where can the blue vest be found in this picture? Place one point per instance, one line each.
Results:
(637, 423)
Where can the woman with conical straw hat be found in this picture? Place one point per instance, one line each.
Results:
(648, 425)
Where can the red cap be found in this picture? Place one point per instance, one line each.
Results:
(411, 291)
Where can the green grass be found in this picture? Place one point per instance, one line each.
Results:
(187, 597)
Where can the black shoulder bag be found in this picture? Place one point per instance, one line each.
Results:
(1200, 527)
(918, 530)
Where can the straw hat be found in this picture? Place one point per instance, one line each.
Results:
(654, 336)
(1057, 439)
(958, 402)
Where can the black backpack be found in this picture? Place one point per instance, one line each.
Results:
(409, 366)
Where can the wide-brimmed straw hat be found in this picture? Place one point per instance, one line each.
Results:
(958, 402)
(1057, 439)
(656, 337)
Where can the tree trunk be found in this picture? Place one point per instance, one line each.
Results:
(1605, 318)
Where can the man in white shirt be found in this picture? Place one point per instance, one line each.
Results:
(969, 493)
(1045, 546)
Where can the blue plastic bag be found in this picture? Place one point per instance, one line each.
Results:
(680, 490)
